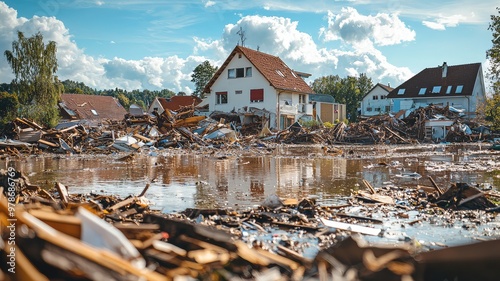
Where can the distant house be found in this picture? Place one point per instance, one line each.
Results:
(91, 108)
(375, 102)
(325, 109)
(460, 87)
(251, 80)
(135, 110)
(174, 103)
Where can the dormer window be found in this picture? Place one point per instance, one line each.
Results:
(448, 90)
(459, 89)
(436, 89)
(401, 91)
(422, 91)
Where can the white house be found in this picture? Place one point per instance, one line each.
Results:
(375, 102)
(252, 79)
(459, 86)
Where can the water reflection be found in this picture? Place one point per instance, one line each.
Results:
(180, 181)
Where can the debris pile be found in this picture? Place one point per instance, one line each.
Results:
(62, 236)
(184, 129)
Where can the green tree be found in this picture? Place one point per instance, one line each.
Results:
(8, 108)
(38, 90)
(201, 76)
(124, 101)
(492, 110)
(349, 91)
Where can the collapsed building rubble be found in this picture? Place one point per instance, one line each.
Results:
(63, 236)
(184, 129)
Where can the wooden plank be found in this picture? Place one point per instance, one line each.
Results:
(440, 192)
(142, 138)
(122, 203)
(63, 192)
(384, 199)
(48, 143)
(369, 186)
(69, 225)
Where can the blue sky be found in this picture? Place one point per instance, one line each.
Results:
(153, 44)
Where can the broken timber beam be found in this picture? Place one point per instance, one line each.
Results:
(369, 186)
(440, 192)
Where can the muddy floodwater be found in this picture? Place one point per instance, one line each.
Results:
(218, 178)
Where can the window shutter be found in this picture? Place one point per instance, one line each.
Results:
(257, 95)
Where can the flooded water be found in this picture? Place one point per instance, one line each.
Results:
(180, 180)
(244, 178)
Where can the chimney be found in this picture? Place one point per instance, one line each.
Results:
(445, 69)
(388, 84)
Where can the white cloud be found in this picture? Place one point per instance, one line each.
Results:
(209, 3)
(441, 23)
(351, 27)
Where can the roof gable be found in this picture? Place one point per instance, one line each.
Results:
(386, 88)
(441, 81)
(92, 107)
(274, 70)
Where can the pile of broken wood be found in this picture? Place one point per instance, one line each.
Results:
(62, 236)
(182, 129)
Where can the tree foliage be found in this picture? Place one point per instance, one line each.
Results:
(492, 108)
(349, 90)
(34, 65)
(8, 107)
(493, 54)
(201, 76)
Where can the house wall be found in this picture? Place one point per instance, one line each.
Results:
(156, 104)
(478, 92)
(331, 112)
(243, 84)
(457, 102)
(378, 106)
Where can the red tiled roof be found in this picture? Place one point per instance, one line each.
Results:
(279, 75)
(428, 78)
(176, 102)
(106, 107)
(385, 87)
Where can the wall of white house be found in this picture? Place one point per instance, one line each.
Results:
(478, 92)
(156, 104)
(456, 102)
(238, 93)
(379, 105)
(244, 84)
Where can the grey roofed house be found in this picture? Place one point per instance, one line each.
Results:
(459, 86)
